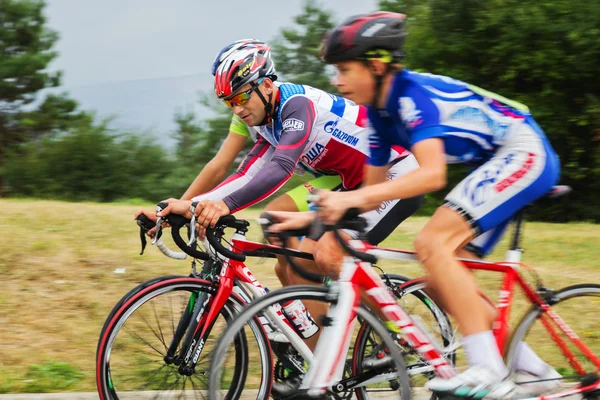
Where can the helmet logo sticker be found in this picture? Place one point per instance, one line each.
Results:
(244, 71)
(373, 30)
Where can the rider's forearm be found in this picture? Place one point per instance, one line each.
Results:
(206, 180)
(415, 183)
(266, 182)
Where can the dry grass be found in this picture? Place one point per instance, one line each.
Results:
(57, 261)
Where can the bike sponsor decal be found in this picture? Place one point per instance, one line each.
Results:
(189, 353)
(198, 351)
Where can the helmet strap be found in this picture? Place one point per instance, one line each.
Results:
(268, 107)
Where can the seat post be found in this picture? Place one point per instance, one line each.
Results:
(516, 239)
(514, 253)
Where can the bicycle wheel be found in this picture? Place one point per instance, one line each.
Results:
(395, 372)
(133, 343)
(578, 307)
(370, 350)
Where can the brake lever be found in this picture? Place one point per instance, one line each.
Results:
(142, 236)
(192, 237)
(159, 222)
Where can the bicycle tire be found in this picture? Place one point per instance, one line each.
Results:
(140, 296)
(300, 292)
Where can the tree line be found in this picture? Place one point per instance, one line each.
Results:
(541, 53)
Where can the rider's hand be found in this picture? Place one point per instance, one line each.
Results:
(287, 220)
(208, 212)
(333, 205)
(151, 216)
(180, 207)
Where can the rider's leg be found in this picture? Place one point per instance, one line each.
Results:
(283, 203)
(316, 308)
(523, 170)
(490, 309)
(297, 200)
(329, 256)
(436, 245)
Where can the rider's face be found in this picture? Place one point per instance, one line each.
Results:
(252, 112)
(355, 81)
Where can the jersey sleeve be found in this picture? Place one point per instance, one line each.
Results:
(379, 147)
(297, 116)
(260, 155)
(238, 126)
(420, 115)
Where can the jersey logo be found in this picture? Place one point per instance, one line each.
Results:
(472, 115)
(410, 114)
(331, 128)
(293, 124)
(314, 155)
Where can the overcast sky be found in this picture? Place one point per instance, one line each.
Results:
(117, 40)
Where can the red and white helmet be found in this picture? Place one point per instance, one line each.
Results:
(242, 62)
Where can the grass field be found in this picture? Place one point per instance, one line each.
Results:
(58, 262)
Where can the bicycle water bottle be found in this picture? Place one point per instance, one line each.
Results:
(296, 312)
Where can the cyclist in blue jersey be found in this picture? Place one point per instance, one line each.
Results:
(443, 120)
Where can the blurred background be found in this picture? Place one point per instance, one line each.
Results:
(108, 100)
(107, 105)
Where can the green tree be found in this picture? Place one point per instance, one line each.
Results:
(296, 51)
(89, 162)
(26, 47)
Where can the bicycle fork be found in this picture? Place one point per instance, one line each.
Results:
(333, 345)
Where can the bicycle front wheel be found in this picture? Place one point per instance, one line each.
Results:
(578, 307)
(133, 345)
(392, 374)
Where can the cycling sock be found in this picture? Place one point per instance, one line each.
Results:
(482, 350)
(528, 361)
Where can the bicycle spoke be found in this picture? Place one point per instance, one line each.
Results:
(172, 313)
(146, 342)
(137, 359)
(162, 338)
(151, 330)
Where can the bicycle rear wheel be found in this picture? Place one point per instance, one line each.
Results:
(394, 374)
(134, 340)
(578, 306)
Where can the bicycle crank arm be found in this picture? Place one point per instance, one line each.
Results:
(366, 378)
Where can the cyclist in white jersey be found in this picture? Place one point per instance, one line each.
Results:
(295, 125)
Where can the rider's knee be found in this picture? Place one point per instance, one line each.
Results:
(280, 270)
(328, 255)
(427, 245)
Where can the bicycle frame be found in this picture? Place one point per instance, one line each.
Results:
(233, 271)
(356, 275)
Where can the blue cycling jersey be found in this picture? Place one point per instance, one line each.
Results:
(472, 122)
